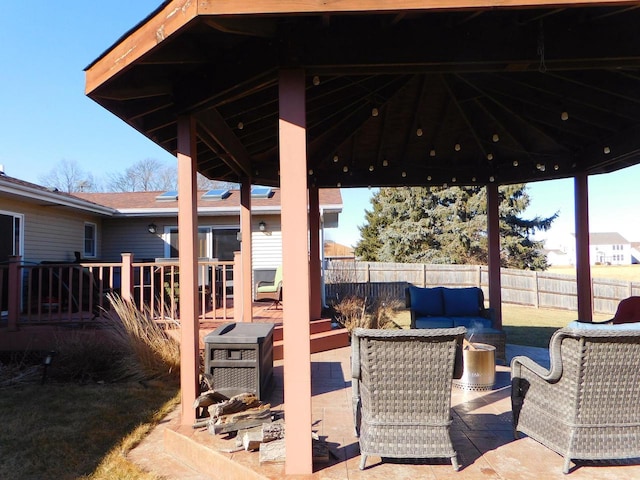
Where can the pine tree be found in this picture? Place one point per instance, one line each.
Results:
(449, 225)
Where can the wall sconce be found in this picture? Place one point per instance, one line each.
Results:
(262, 226)
(152, 228)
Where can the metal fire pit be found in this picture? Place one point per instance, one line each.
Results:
(479, 370)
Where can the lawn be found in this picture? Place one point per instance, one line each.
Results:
(77, 431)
(524, 325)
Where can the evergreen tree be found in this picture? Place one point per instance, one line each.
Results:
(449, 225)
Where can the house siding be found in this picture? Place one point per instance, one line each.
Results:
(52, 233)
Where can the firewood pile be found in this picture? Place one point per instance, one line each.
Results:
(251, 422)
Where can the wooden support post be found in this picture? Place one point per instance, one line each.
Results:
(245, 295)
(583, 266)
(188, 265)
(13, 291)
(493, 229)
(295, 271)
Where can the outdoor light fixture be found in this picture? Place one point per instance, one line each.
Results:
(262, 226)
(152, 228)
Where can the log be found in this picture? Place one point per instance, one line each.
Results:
(251, 439)
(238, 403)
(241, 420)
(209, 398)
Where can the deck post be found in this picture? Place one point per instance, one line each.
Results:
(13, 301)
(246, 258)
(583, 265)
(126, 277)
(295, 272)
(493, 232)
(315, 269)
(188, 265)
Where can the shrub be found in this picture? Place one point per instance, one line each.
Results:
(353, 311)
(151, 352)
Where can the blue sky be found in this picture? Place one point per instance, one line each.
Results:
(46, 118)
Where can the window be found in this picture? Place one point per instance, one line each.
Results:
(89, 240)
(213, 242)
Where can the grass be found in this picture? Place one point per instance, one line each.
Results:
(100, 399)
(73, 431)
(524, 325)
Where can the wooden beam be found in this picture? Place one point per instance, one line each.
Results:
(241, 7)
(211, 122)
(139, 42)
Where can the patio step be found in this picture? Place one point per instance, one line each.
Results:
(315, 326)
(322, 339)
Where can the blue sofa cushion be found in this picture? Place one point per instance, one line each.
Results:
(473, 323)
(434, 322)
(461, 302)
(426, 301)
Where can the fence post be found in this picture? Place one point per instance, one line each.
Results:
(126, 277)
(537, 289)
(13, 302)
(424, 275)
(368, 273)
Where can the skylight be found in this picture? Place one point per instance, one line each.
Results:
(261, 192)
(216, 194)
(170, 196)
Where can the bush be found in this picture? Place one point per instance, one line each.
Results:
(353, 312)
(151, 352)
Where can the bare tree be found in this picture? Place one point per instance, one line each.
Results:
(144, 176)
(67, 176)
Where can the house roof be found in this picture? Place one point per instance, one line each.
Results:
(30, 192)
(146, 203)
(427, 92)
(607, 238)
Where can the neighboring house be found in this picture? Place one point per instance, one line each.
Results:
(605, 248)
(557, 257)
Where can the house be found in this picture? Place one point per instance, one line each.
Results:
(605, 248)
(146, 224)
(45, 225)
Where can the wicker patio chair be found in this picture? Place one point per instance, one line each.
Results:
(402, 392)
(587, 405)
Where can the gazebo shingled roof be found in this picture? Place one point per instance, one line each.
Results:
(395, 97)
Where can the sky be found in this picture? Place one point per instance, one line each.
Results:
(46, 117)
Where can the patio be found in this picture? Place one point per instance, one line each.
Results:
(481, 434)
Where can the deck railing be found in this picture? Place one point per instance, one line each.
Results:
(78, 293)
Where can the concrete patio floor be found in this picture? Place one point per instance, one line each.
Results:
(481, 434)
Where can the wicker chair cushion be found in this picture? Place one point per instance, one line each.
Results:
(603, 326)
(427, 301)
(461, 302)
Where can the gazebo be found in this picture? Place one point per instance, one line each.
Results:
(306, 95)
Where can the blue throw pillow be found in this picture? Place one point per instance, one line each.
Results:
(426, 301)
(461, 302)
(603, 326)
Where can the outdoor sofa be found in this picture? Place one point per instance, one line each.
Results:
(585, 407)
(443, 307)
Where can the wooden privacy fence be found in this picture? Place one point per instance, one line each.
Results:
(519, 287)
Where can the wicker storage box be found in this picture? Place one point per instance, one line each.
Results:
(240, 358)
